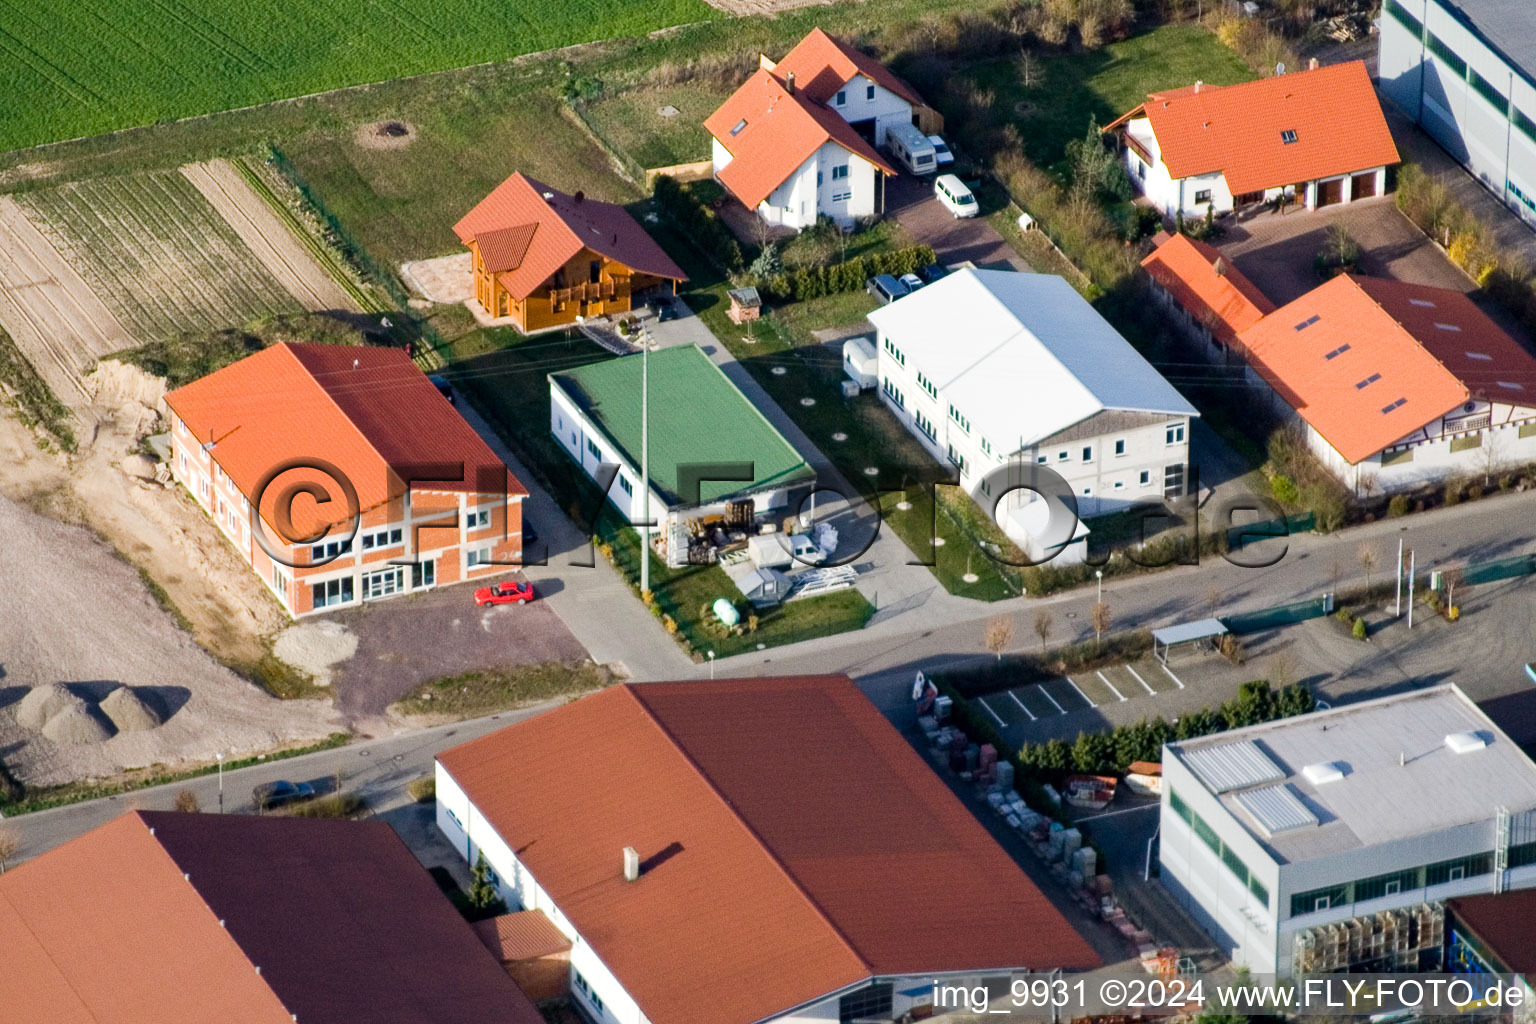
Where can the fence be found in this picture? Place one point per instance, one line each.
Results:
(696, 171)
(1269, 618)
(1284, 526)
(1499, 569)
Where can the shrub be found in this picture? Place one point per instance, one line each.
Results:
(1284, 489)
(186, 802)
(1397, 506)
(424, 789)
(1359, 629)
(332, 805)
(1451, 493)
(697, 221)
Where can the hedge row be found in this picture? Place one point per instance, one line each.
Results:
(848, 276)
(698, 222)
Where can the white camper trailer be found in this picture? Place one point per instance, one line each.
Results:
(860, 362)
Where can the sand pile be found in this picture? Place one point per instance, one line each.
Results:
(34, 710)
(75, 725)
(128, 712)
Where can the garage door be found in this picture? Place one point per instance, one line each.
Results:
(1330, 192)
(1362, 186)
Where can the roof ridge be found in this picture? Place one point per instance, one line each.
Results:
(538, 188)
(1023, 329)
(1466, 391)
(310, 376)
(672, 740)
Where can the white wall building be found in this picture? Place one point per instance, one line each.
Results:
(1466, 71)
(991, 369)
(715, 853)
(1274, 833)
(1316, 137)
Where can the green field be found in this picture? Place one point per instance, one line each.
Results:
(157, 254)
(90, 66)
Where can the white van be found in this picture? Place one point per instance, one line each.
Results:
(911, 148)
(957, 199)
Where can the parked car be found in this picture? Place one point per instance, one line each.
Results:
(271, 795)
(443, 387)
(932, 272)
(912, 281)
(505, 592)
(942, 157)
(957, 199)
(886, 288)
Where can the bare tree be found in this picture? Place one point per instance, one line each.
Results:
(999, 635)
(1493, 455)
(1101, 619)
(1212, 600)
(10, 842)
(1282, 669)
(1454, 580)
(1044, 623)
(1369, 559)
(186, 802)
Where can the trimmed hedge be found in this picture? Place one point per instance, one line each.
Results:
(698, 222)
(848, 276)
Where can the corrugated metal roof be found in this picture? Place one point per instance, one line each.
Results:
(1276, 809)
(1184, 632)
(1233, 766)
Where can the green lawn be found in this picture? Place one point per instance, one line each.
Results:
(632, 123)
(91, 66)
(1070, 88)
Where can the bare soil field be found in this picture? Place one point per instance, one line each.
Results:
(267, 238)
(73, 612)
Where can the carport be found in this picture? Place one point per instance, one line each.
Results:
(1166, 639)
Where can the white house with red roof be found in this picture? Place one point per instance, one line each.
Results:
(342, 475)
(800, 139)
(1314, 138)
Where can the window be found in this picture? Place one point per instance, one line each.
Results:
(895, 352)
(927, 385)
(1448, 327)
(424, 574)
(1388, 408)
(956, 457)
(1207, 834)
(1524, 123)
(1042, 460)
(1119, 448)
(626, 486)
(1173, 480)
(382, 538)
(1203, 195)
(1439, 49)
(1480, 356)
(1336, 352)
(383, 582)
(594, 271)
(329, 550)
(478, 556)
(1320, 899)
(841, 197)
(839, 172)
(893, 392)
(842, 97)
(986, 446)
(925, 426)
(592, 449)
(332, 592)
(818, 179)
(1391, 884)
(585, 988)
(1087, 453)
(869, 92)
(1486, 90)
(1403, 17)
(1119, 485)
(1288, 136)
(1175, 433)
(736, 130)
(1367, 382)
(1063, 456)
(964, 423)
(874, 1001)
(1308, 322)
(1146, 478)
(1458, 869)
(479, 519)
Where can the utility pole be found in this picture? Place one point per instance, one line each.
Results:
(1410, 589)
(220, 756)
(645, 462)
(1397, 606)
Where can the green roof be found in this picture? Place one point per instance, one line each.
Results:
(697, 416)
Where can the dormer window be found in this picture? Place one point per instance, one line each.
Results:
(739, 126)
(1288, 136)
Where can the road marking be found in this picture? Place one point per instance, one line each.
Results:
(1111, 686)
(1140, 680)
(1079, 690)
(1020, 703)
(1048, 697)
(994, 714)
(1175, 678)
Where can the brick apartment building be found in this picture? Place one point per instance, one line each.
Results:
(295, 426)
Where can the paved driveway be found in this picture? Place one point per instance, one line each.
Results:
(405, 641)
(911, 201)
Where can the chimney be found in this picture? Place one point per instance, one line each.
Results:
(1312, 64)
(789, 84)
(631, 864)
(1198, 84)
(578, 197)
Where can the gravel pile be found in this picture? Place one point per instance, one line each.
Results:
(41, 704)
(76, 724)
(128, 711)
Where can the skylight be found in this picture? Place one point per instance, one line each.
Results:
(1288, 136)
(1372, 379)
(1308, 322)
(1511, 385)
(1480, 355)
(1422, 302)
(1388, 408)
(1448, 327)
(739, 126)
(1336, 352)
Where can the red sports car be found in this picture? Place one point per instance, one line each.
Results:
(505, 592)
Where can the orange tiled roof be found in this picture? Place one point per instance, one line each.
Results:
(536, 230)
(791, 841)
(822, 65)
(1350, 369)
(165, 918)
(1213, 291)
(368, 411)
(779, 131)
(1236, 129)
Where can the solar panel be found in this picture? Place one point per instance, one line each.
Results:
(1276, 809)
(1232, 766)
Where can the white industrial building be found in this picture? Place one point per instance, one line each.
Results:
(1466, 71)
(1328, 841)
(993, 368)
(747, 851)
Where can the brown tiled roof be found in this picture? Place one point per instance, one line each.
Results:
(160, 918)
(525, 935)
(561, 226)
(1236, 129)
(1503, 922)
(368, 411)
(778, 131)
(792, 844)
(503, 249)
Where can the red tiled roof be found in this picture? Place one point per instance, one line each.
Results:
(1344, 362)
(782, 130)
(524, 935)
(1236, 129)
(558, 226)
(822, 65)
(503, 249)
(368, 411)
(792, 844)
(1214, 292)
(160, 918)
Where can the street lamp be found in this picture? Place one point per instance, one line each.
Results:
(1100, 574)
(220, 757)
(645, 464)
(711, 664)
